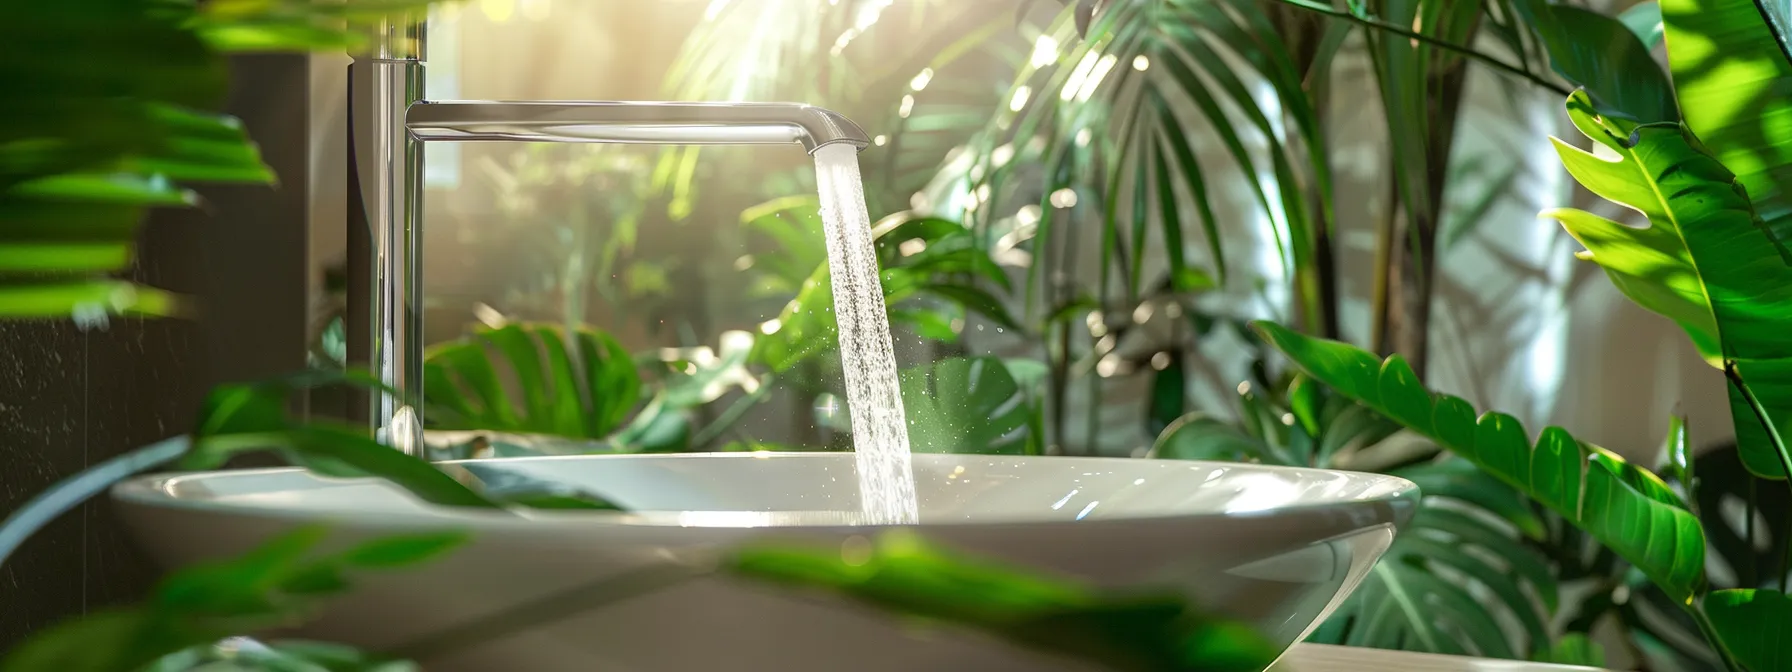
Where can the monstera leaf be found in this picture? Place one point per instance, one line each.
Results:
(905, 575)
(1703, 261)
(1466, 526)
(1406, 603)
(581, 384)
(967, 406)
(1469, 524)
(1732, 76)
(1628, 509)
(1753, 626)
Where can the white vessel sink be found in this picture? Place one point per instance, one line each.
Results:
(1276, 547)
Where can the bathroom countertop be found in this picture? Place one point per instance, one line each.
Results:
(1326, 658)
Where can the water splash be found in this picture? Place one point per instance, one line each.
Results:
(879, 425)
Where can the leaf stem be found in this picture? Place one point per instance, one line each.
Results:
(1697, 611)
(1773, 433)
(1446, 45)
(1779, 448)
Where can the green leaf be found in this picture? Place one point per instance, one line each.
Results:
(1419, 611)
(400, 551)
(241, 586)
(581, 384)
(903, 574)
(705, 375)
(976, 299)
(124, 638)
(1626, 508)
(1753, 626)
(84, 299)
(1703, 261)
(1676, 455)
(1207, 62)
(1198, 436)
(1605, 58)
(1574, 648)
(965, 406)
(1732, 77)
(341, 452)
(276, 583)
(1460, 480)
(927, 323)
(293, 25)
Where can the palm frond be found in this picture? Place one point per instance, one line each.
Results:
(1124, 100)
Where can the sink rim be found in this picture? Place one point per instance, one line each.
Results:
(157, 491)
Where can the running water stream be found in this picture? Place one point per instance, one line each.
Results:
(879, 425)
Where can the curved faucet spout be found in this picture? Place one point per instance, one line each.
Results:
(667, 123)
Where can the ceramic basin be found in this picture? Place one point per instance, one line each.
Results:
(1277, 547)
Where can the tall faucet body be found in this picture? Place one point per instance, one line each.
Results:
(392, 122)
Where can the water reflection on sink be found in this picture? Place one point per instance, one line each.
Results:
(1278, 547)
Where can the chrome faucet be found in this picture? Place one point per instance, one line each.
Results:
(391, 123)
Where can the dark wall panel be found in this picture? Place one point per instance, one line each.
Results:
(73, 397)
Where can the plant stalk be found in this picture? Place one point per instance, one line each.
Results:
(1779, 447)
(1773, 433)
(1467, 52)
(1697, 612)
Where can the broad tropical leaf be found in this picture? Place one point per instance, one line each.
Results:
(967, 406)
(1607, 58)
(580, 384)
(1302, 424)
(907, 576)
(1733, 78)
(1573, 649)
(1704, 260)
(1406, 603)
(1626, 508)
(1753, 626)
(1470, 527)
